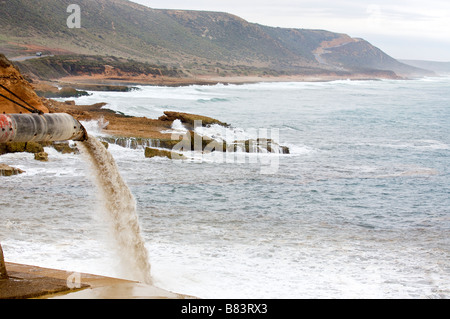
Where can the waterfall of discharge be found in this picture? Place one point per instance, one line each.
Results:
(120, 206)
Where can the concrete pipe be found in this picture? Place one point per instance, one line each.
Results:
(49, 127)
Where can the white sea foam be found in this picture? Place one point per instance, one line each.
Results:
(95, 127)
(420, 144)
(177, 128)
(295, 149)
(227, 134)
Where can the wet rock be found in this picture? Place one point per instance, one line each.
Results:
(15, 147)
(65, 148)
(260, 145)
(195, 142)
(189, 119)
(30, 147)
(169, 144)
(207, 144)
(153, 152)
(192, 141)
(33, 147)
(65, 92)
(42, 156)
(6, 170)
(130, 142)
(285, 150)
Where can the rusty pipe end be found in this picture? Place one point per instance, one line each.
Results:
(82, 136)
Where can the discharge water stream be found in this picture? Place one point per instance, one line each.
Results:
(120, 208)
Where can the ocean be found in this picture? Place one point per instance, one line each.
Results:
(360, 208)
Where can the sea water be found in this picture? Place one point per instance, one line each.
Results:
(359, 209)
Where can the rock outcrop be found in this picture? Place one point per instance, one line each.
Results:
(191, 141)
(65, 148)
(6, 170)
(133, 132)
(189, 119)
(153, 152)
(11, 78)
(37, 148)
(41, 156)
(29, 147)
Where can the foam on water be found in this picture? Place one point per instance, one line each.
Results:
(220, 133)
(95, 127)
(177, 128)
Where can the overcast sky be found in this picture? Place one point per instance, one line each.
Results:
(405, 29)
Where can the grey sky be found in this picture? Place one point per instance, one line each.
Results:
(407, 29)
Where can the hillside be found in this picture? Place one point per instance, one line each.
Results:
(197, 42)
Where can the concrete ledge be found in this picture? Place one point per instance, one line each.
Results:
(26, 286)
(27, 282)
(35, 282)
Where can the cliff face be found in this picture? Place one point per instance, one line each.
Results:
(55, 67)
(11, 78)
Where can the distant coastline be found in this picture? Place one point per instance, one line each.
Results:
(79, 81)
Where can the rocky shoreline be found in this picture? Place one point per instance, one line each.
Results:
(141, 132)
(152, 135)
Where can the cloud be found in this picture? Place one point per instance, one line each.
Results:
(403, 17)
(431, 20)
